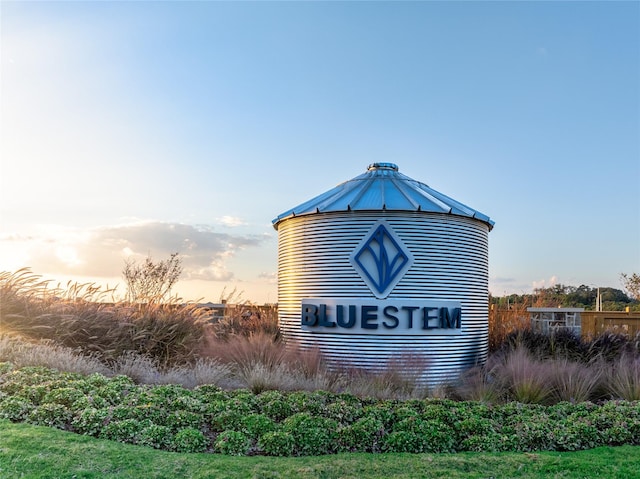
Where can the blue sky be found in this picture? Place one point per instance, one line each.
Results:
(135, 128)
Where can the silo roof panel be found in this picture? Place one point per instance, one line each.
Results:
(382, 187)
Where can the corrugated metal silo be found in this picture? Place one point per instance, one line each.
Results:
(381, 268)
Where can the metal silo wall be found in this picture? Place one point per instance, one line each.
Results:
(450, 263)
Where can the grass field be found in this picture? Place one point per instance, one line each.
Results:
(33, 452)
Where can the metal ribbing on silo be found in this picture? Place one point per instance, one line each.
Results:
(450, 262)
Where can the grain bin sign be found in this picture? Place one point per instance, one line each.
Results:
(383, 265)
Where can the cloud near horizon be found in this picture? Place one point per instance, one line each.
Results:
(544, 283)
(102, 251)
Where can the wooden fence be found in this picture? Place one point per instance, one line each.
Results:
(619, 322)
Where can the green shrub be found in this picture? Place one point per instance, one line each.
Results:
(274, 404)
(255, 425)
(364, 435)
(184, 419)
(143, 412)
(209, 392)
(5, 367)
(313, 435)
(385, 412)
(66, 396)
(425, 435)
(170, 396)
(572, 435)
(277, 443)
(116, 390)
(158, 417)
(616, 422)
(31, 375)
(535, 435)
(444, 411)
(190, 440)
(345, 408)
(96, 380)
(242, 400)
(34, 394)
(404, 412)
(226, 420)
(402, 441)
(488, 442)
(90, 421)
(51, 415)
(232, 443)
(188, 402)
(15, 409)
(475, 426)
(343, 412)
(122, 412)
(126, 430)
(307, 402)
(156, 436)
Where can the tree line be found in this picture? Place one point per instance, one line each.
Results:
(582, 296)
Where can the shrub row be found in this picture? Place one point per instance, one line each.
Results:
(208, 419)
(566, 344)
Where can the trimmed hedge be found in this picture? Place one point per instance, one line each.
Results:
(209, 419)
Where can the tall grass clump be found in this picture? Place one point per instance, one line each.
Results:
(261, 362)
(479, 384)
(46, 353)
(611, 346)
(141, 369)
(623, 377)
(400, 378)
(87, 318)
(505, 322)
(246, 320)
(573, 381)
(523, 378)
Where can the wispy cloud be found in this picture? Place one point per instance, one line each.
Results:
(231, 221)
(100, 252)
(545, 283)
(270, 277)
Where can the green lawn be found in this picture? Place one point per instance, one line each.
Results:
(39, 452)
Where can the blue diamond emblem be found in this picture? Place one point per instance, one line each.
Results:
(381, 259)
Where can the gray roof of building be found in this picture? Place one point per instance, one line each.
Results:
(383, 188)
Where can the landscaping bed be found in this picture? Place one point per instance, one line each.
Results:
(239, 422)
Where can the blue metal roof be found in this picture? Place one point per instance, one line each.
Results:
(383, 188)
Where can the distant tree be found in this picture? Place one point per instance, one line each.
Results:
(582, 296)
(151, 281)
(631, 285)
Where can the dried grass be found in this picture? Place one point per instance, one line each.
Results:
(479, 384)
(260, 362)
(144, 370)
(523, 378)
(247, 319)
(573, 381)
(505, 322)
(23, 353)
(623, 378)
(74, 329)
(401, 378)
(79, 316)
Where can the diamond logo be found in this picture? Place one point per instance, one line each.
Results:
(381, 259)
